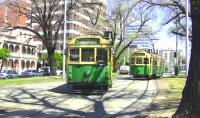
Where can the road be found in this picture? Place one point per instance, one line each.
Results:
(128, 98)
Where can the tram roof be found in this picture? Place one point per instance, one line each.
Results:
(144, 53)
(102, 41)
(141, 53)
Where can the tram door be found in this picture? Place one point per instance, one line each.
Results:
(102, 56)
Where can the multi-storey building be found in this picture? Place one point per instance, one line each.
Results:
(170, 59)
(78, 21)
(22, 51)
(144, 43)
(8, 15)
(22, 57)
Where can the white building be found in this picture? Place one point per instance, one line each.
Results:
(22, 50)
(170, 59)
(143, 43)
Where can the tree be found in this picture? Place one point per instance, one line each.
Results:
(58, 59)
(4, 54)
(129, 13)
(176, 10)
(44, 16)
(190, 102)
(189, 106)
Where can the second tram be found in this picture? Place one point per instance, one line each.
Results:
(146, 64)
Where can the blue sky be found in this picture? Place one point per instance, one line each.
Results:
(166, 40)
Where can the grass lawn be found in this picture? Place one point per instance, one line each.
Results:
(174, 87)
(21, 81)
(168, 99)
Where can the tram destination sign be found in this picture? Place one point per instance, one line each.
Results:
(87, 42)
(139, 54)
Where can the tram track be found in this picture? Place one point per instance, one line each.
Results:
(83, 111)
(99, 99)
(138, 101)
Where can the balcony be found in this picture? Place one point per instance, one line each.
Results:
(27, 56)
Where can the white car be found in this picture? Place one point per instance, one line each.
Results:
(59, 72)
(124, 69)
(2, 76)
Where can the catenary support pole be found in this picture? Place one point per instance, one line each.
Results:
(64, 40)
(187, 39)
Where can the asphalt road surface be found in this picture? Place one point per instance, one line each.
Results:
(128, 98)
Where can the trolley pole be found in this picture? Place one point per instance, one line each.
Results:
(64, 40)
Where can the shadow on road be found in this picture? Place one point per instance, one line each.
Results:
(134, 78)
(49, 105)
(60, 89)
(63, 89)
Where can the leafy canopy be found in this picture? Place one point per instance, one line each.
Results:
(4, 53)
(58, 59)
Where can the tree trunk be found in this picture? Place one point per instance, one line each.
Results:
(190, 102)
(114, 64)
(51, 61)
(1, 64)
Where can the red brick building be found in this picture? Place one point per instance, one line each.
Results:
(9, 16)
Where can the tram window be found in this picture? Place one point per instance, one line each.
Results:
(87, 55)
(101, 56)
(74, 55)
(138, 60)
(154, 62)
(150, 60)
(146, 60)
(133, 61)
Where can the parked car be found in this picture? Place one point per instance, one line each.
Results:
(59, 72)
(10, 74)
(45, 70)
(2, 76)
(32, 73)
(124, 69)
(37, 73)
(27, 73)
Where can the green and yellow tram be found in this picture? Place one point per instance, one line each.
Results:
(89, 62)
(146, 64)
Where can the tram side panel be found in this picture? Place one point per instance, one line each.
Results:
(140, 70)
(89, 75)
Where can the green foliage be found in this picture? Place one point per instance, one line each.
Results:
(4, 53)
(58, 59)
(174, 87)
